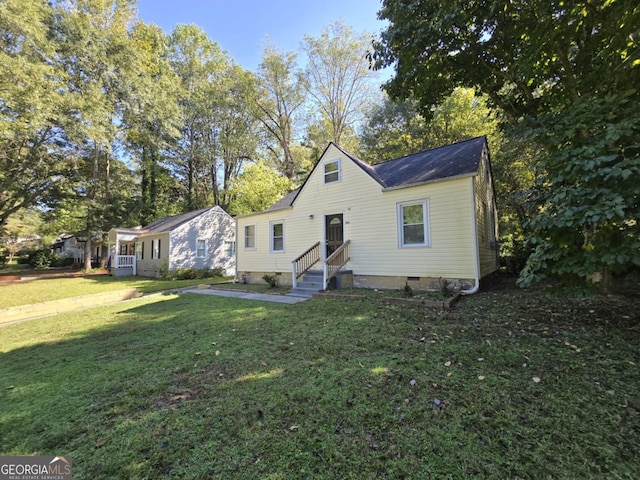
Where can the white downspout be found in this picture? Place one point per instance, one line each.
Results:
(476, 251)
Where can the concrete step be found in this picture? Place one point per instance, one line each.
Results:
(310, 283)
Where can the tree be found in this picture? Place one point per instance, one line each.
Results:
(279, 102)
(200, 65)
(338, 77)
(393, 129)
(20, 233)
(93, 48)
(219, 131)
(567, 75)
(237, 132)
(152, 120)
(33, 109)
(257, 188)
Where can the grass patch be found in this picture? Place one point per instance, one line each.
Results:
(47, 289)
(507, 385)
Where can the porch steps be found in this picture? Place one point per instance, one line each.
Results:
(310, 283)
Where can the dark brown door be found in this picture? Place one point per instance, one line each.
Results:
(335, 232)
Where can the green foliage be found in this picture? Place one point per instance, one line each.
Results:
(41, 259)
(272, 280)
(337, 77)
(257, 188)
(566, 74)
(406, 291)
(589, 192)
(279, 107)
(191, 273)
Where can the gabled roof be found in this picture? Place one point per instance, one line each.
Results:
(171, 223)
(285, 201)
(462, 158)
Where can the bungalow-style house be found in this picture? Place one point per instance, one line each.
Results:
(201, 239)
(73, 246)
(418, 220)
(69, 246)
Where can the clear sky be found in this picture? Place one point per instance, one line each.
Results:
(241, 26)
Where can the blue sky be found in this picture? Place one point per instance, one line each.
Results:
(240, 26)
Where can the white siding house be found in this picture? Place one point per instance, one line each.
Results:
(415, 220)
(201, 239)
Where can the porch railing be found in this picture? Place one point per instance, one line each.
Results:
(126, 261)
(304, 262)
(335, 262)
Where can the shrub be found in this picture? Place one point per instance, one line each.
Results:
(3, 261)
(447, 288)
(192, 273)
(407, 291)
(272, 280)
(40, 259)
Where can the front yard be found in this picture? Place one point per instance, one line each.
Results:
(509, 384)
(47, 289)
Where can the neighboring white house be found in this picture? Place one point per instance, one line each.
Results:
(201, 239)
(69, 246)
(415, 220)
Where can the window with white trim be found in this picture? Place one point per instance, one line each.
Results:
(332, 171)
(413, 224)
(277, 237)
(139, 250)
(229, 248)
(201, 248)
(250, 236)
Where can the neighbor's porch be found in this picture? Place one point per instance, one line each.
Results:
(122, 251)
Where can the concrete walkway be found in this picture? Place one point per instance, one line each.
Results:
(246, 295)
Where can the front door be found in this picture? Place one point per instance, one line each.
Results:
(335, 232)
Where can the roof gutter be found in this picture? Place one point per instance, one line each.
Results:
(474, 220)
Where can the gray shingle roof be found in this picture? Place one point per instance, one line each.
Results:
(462, 158)
(285, 201)
(171, 223)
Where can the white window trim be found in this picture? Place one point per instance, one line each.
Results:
(324, 172)
(426, 224)
(204, 250)
(155, 249)
(255, 236)
(138, 250)
(271, 236)
(230, 248)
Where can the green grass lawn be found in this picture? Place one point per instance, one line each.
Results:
(46, 289)
(509, 384)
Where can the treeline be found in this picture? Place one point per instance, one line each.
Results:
(107, 121)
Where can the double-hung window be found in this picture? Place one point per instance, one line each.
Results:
(201, 248)
(277, 236)
(250, 236)
(229, 248)
(332, 171)
(155, 249)
(413, 224)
